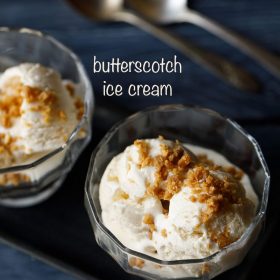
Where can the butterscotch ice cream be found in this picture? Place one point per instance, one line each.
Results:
(174, 201)
(38, 112)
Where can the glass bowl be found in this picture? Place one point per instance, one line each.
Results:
(189, 125)
(48, 172)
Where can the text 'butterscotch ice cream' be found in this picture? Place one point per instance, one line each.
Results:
(174, 201)
(38, 112)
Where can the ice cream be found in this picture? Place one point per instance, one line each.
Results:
(38, 112)
(175, 201)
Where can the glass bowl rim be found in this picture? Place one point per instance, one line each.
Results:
(92, 211)
(88, 92)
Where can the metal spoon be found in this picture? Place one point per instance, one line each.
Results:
(113, 10)
(170, 11)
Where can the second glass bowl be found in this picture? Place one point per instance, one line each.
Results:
(49, 171)
(192, 125)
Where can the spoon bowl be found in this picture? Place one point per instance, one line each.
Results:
(99, 10)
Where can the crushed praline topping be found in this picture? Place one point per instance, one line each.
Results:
(80, 108)
(13, 95)
(217, 187)
(79, 104)
(120, 194)
(164, 232)
(174, 160)
(14, 179)
(10, 103)
(148, 219)
(136, 262)
(7, 144)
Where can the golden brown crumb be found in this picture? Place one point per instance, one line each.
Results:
(205, 269)
(79, 104)
(80, 108)
(45, 101)
(235, 172)
(7, 144)
(175, 170)
(70, 89)
(13, 179)
(193, 199)
(62, 115)
(10, 103)
(119, 195)
(172, 159)
(144, 149)
(164, 233)
(15, 92)
(82, 133)
(148, 219)
(136, 262)
(223, 239)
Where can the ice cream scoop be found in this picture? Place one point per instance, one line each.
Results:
(159, 200)
(38, 113)
(38, 110)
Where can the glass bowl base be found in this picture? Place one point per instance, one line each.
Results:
(36, 198)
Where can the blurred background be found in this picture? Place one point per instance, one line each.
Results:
(72, 249)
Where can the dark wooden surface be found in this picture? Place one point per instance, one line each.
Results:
(59, 227)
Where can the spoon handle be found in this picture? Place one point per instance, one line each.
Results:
(216, 64)
(268, 60)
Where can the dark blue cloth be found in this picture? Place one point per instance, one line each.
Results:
(16, 265)
(258, 20)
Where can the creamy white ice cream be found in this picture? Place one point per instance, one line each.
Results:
(38, 112)
(159, 199)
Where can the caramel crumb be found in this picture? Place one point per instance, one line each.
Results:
(13, 179)
(80, 108)
(136, 262)
(144, 149)
(7, 144)
(62, 115)
(70, 89)
(164, 233)
(119, 195)
(10, 103)
(14, 92)
(223, 239)
(233, 171)
(79, 104)
(148, 219)
(45, 101)
(174, 159)
(205, 269)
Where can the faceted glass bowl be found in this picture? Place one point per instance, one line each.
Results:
(49, 171)
(189, 125)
